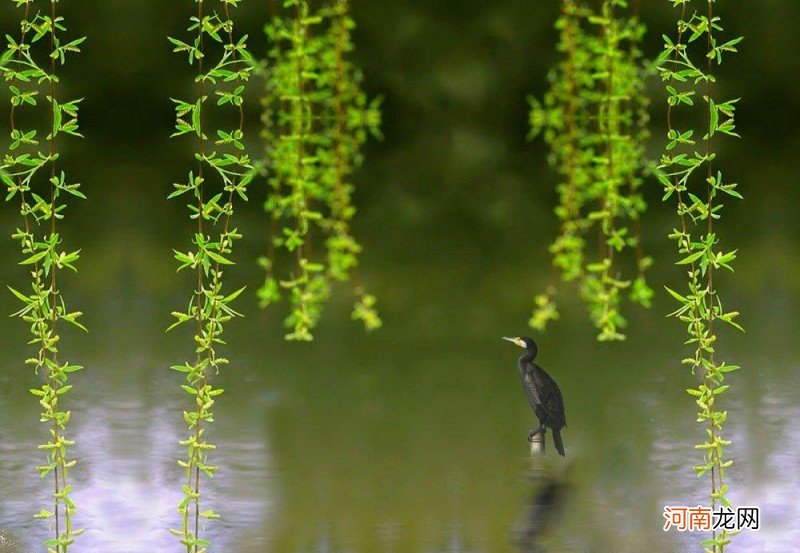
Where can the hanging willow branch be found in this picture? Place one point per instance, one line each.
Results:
(228, 170)
(689, 176)
(593, 119)
(351, 118)
(564, 119)
(316, 119)
(33, 153)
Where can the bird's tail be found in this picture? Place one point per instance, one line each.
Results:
(558, 443)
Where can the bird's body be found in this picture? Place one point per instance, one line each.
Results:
(545, 399)
(544, 395)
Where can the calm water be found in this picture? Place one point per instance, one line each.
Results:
(410, 439)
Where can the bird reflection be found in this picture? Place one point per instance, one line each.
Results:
(547, 494)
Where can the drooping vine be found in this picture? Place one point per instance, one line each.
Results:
(691, 178)
(316, 119)
(351, 118)
(33, 178)
(593, 119)
(220, 179)
(564, 119)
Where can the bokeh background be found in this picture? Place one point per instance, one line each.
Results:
(412, 438)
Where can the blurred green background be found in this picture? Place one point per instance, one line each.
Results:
(411, 438)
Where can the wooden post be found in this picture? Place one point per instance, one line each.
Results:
(537, 442)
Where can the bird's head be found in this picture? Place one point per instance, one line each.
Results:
(525, 343)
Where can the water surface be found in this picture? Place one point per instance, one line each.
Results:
(409, 439)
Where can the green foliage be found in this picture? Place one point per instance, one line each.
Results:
(220, 82)
(31, 176)
(594, 119)
(316, 119)
(690, 178)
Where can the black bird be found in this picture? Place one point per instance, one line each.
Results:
(542, 391)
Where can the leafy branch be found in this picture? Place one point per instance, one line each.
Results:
(211, 207)
(31, 175)
(593, 118)
(316, 119)
(689, 176)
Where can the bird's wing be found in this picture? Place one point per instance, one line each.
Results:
(551, 399)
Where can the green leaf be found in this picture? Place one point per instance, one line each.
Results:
(34, 258)
(23, 298)
(676, 295)
(691, 258)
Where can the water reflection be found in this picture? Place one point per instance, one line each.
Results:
(127, 483)
(548, 490)
(399, 445)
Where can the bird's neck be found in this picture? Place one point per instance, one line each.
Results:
(528, 357)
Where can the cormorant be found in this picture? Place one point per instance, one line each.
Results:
(542, 391)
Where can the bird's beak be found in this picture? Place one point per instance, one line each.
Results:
(515, 341)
